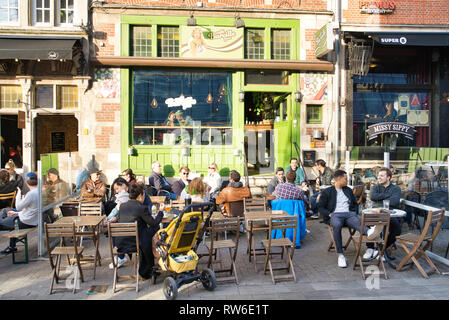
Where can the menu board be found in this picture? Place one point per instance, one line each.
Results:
(58, 141)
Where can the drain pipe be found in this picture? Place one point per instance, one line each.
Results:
(336, 88)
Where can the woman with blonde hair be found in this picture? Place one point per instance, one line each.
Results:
(10, 166)
(213, 180)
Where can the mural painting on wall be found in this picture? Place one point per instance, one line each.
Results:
(107, 83)
(314, 86)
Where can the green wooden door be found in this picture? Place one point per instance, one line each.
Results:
(283, 134)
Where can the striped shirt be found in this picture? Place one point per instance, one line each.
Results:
(289, 191)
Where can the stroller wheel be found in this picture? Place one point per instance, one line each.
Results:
(208, 279)
(170, 288)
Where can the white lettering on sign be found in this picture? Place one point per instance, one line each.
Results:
(186, 103)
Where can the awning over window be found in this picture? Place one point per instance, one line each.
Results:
(33, 49)
(410, 39)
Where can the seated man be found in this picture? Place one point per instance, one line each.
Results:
(158, 181)
(288, 190)
(325, 176)
(338, 204)
(55, 188)
(300, 180)
(93, 187)
(385, 190)
(233, 192)
(27, 214)
(277, 179)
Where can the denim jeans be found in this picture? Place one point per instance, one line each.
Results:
(338, 221)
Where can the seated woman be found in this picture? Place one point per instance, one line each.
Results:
(178, 186)
(195, 191)
(129, 176)
(14, 176)
(147, 226)
(118, 185)
(213, 180)
(6, 186)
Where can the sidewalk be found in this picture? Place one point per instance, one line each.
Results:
(318, 277)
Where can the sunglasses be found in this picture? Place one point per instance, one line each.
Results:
(185, 173)
(211, 168)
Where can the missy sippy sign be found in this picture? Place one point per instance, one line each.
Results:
(404, 129)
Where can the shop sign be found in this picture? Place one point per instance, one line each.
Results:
(324, 40)
(377, 7)
(390, 127)
(205, 42)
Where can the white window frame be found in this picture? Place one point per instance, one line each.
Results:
(58, 11)
(9, 7)
(51, 9)
(54, 107)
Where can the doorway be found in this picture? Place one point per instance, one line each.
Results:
(56, 133)
(11, 145)
(267, 131)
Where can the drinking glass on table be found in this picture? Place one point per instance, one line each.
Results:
(167, 209)
(386, 204)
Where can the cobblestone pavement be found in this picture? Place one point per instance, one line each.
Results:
(318, 277)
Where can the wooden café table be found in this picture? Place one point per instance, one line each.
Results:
(92, 223)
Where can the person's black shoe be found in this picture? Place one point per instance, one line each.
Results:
(8, 250)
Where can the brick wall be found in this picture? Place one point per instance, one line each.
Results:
(319, 143)
(105, 131)
(405, 12)
(310, 48)
(259, 4)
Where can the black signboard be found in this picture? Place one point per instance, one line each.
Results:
(58, 141)
(404, 129)
(309, 158)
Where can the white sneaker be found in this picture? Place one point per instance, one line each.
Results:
(383, 258)
(370, 254)
(308, 231)
(119, 263)
(373, 232)
(342, 261)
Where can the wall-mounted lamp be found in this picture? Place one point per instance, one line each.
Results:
(298, 96)
(191, 21)
(239, 23)
(241, 95)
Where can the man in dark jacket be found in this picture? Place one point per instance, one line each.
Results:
(147, 226)
(339, 206)
(385, 190)
(159, 183)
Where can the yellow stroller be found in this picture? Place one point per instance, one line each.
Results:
(175, 246)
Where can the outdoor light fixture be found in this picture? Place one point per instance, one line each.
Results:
(209, 99)
(241, 95)
(191, 21)
(298, 96)
(239, 23)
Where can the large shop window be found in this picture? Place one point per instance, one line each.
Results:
(185, 108)
(389, 99)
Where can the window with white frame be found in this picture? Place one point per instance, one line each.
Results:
(9, 11)
(58, 97)
(66, 11)
(42, 11)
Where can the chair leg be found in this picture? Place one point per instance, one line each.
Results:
(432, 265)
(292, 269)
(420, 268)
(54, 277)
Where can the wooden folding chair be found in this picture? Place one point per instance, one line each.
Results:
(369, 220)
(124, 230)
(420, 243)
(89, 209)
(63, 231)
(332, 242)
(254, 204)
(281, 223)
(224, 225)
(9, 197)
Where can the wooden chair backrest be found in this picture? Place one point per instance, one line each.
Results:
(250, 204)
(123, 230)
(225, 224)
(177, 203)
(62, 231)
(432, 218)
(371, 219)
(283, 223)
(9, 196)
(358, 192)
(236, 208)
(89, 209)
